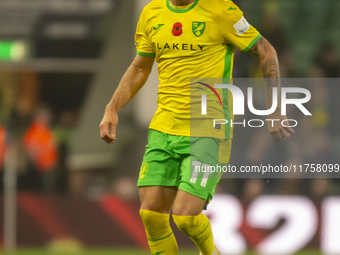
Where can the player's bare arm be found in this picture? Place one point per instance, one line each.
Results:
(133, 79)
(269, 65)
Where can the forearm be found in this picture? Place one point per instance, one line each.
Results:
(270, 70)
(269, 66)
(132, 81)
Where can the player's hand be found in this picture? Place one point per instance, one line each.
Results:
(279, 132)
(108, 126)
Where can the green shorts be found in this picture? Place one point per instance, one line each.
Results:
(190, 163)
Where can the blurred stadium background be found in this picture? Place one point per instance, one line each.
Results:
(64, 191)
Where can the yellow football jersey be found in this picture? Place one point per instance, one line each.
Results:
(195, 41)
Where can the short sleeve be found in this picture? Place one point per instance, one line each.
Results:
(236, 29)
(142, 42)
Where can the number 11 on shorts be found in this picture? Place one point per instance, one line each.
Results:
(200, 167)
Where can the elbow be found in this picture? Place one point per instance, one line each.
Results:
(268, 50)
(263, 49)
(137, 69)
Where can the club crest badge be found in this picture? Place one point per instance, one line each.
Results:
(198, 28)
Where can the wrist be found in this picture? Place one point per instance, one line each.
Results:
(111, 108)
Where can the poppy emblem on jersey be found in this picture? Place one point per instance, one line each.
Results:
(177, 29)
(198, 28)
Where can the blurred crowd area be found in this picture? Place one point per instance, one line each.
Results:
(40, 112)
(305, 36)
(39, 133)
(316, 141)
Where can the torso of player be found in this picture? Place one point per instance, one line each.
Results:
(188, 43)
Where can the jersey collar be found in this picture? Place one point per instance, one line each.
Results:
(180, 10)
